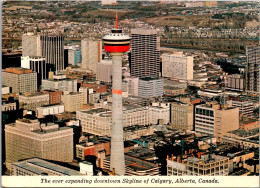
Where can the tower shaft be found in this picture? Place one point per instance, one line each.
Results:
(117, 158)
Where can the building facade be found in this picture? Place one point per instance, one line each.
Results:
(159, 113)
(32, 101)
(52, 48)
(8, 106)
(74, 56)
(132, 86)
(46, 110)
(37, 64)
(214, 120)
(21, 80)
(27, 138)
(31, 45)
(104, 71)
(150, 87)
(61, 84)
(145, 54)
(55, 96)
(72, 101)
(177, 66)
(252, 74)
(98, 120)
(192, 166)
(91, 51)
(181, 116)
(245, 106)
(235, 82)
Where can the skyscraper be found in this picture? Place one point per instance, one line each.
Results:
(91, 54)
(253, 60)
(52, 48)
(145, 56)
(31, 45)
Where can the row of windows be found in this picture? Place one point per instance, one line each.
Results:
(204, 112)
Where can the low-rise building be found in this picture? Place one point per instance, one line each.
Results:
(134, 132)
(40, 167)
(98, 121)
(60, 83)
(84, 149)
(150, 87)
(136, 167)
(55, 96)
(8, 106)
(245, 106)
(248, 123)
(193, 166)
(51, 109)
(72, 101)
(31, 101)
(159, 113)
(215, 120)
(169, 90)
(246, 138)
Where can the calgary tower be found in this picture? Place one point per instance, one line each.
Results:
(117, 43)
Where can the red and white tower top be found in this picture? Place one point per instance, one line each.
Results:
(116, 42)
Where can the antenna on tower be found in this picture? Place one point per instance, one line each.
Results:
(116, 21)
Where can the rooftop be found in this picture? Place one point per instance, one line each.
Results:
(18, 70)
(39, 166)
(245, 133)
(248, 120)
(39, 131)
(149, 78)
(136, 164)
(50, 105)
(33, 94)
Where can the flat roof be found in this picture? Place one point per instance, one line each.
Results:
(137, 164)
(149, 78)
(40, 166)
(50, 130)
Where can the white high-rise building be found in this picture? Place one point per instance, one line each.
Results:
(31, 45)
(150, 87)
(91, 51)
(104, 71)
(177, 66)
